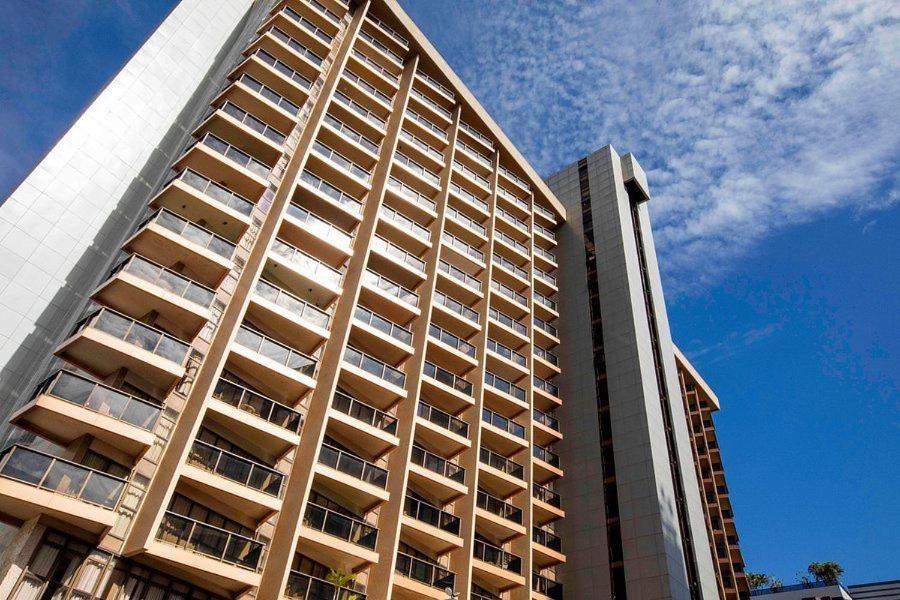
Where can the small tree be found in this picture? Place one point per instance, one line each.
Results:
(758, 581)
(342, 579)
(828, 572)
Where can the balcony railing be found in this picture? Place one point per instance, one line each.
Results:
(545, 455)
(546, 495)
(455, 342)
(507, 387)
(426, 572)
(438, 464)
(509, 265)
(352, 465)
(215, 542)
(391, 288)
(135, 333)
(313, 267)
(516, 221)
(359, 109)
(411, 194)
(351, 133)
(254, 123)
(515, 178)
(342, 198)
(466, 220)
(319, 226)
(548, 587)
(502, 423)
(474, 154)
(506, 352)
(366, 86)
(376, 67)
(543, 384)
(497, 557)
(398, 253)
(470, 174)
(64, 477)
(501, 463)
(422, 145)
(455, 306)
(515, 200)
(166, 279)
(381, 47)
(442, 419)
(476, 134)
(301, 309)
(256, 404)
(238, 156)
(269, 94)
(546, 419)
(432, 515)
(364, 413)
(464, 248)
(546, 212)
(367, 317)
(545, 253)
(508, 321)
(218, 192)
(432, 104)
(545, 327)
(374, 366)
(544, 300)
(341, 526)
(191, 232)
(508, 292)
(296, 46)
(546, 538)
(342, 162)
(416, 168)
(308, 25)
(546, 231)
(276, 351)
(101, 399)
(306, 587)
(468, 196)
(545, 276)
(511, 241)
(236, 468)
(390, 31)
(404, 222)
(498, 507)
(459, 274)
(436, 130)
(547, 356)
(447, 378)
(283, 68)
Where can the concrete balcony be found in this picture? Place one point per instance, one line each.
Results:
(546, 505)
(452, 392)
(276, 309)
(302, 271)
(271, 365)
(357, 147)
(328, 201)
(449, 350)
(431, 527)
(341, 170)
(305, 587)
(422, 152)
(380, 337)
(545, 428)
(499, 474)
(217, 159)
(500, 519)
(546, 363)
(415, 578)
(459, 283)
(547, 548)
(396, 262)
(372, 380)
(354, 478)
(423, 127)
(244, 130)
(506, 362)
(504, 396)
(399, 229)
(410, 199)
(498, 568)
(508, 300)
(262, 86)
(546, 394)
(373, 431)
(305, 229)
(441, 478)
(395, 301)
(311, 40)
(506, 329)
(546, 465)
(502, 434)
(440, 429)
(544, 588)
(452, 314)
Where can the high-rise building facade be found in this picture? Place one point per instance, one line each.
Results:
(291, 307)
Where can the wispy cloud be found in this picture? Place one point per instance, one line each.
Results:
(749, 116)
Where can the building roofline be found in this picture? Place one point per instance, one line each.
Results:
(683, 360)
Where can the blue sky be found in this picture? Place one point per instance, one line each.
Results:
(771, 139)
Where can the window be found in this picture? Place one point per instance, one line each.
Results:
(63, 567)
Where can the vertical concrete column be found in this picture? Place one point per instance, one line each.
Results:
(299, 484)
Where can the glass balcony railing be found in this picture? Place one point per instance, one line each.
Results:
(341, 162)
(545, 212)
(546, 419)
(455, 306)
(307, 25)
(545, 327)
(547, 587)
(215, 542)
(276, 351)
(254, 123)
(217, 192)
(545, 455)
(546, 254)
(306, 587)
(269, 94)
(442, 419)
(301, 309)
(296, 46)
(191, 232)
(465, 220)
(474, 154)
(404, 222)
(507, 195)
(135, 333)
(497, 557)
(101, 399)
(507, 321)
(459, 274)
(166, 279)
(468, 196)
(393, 56)
(476, 134)
(341, 526)
(432, 515)
(502, 423)
(376, 67)
(431, 104)
(428, 125)
(507, 387)
(438, 464)
(546, 538)
(367, 87)
(258, 405)
(352, 134)
(236, 468)
(464, 248)
(411, 194)
(543, 384)
(506, 352)
(60, 476)
(390, 31)
(512, 176)
(546, 495)
(367, 317)
(444, 336)
(546, 231)
(545, 301)
(394, 289)
(447, 378)
(320, 8)
(545, 277)
(422, 145)
(398, 253)
(238, 156)
(364, 413)
(470, 174)
(516, 221)
(501, 463)
(548, 356)
(314, 268)
(498, 507)
(352, 465)
(511, 241)
(510, 266)
(322, 228)
(283, 68)
(429, 573)
(416, 168)
(342, 198)
(374, 366)
(508, 292)
(359, 109)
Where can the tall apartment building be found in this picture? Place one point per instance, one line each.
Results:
(320, 337)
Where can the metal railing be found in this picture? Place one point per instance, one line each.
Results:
(546, 419)
(474, 154)
(426, 174)
(283, 68)
(409, 193)
(364, 413)
(371, 64)
(191, 231)
(341, 526)
(546, 538)
(508, 321)
(546, 212)
(463, 247)
(393, 56)
(507, 387)
(497, 557)
(313, 267)
(545, 326)
(454, 341)
(342, 198)
(54, 474)
(393, 250)
(276, 351)
(101, 399)
(509, 265)
(367, 87)
(390, 31)
(515, 200)
(308, 25)
(447, 378)
(546, 495)
(404, 222)
(548, 356)
(135, 333)
(390, 287)
(426, 572)
(455, 306)
(432, 515)
(299, 308)
(498, 507)
(476, 134)
(319, 226)
(166, 279)
(545, 301)
(437, 464)
(352, 465)
(351, 133)
(422, 145)
(341, 161)
(431, 104)
(545, 276)
(268, 93)
(361, 110)
(508, 292)
(374, 366)
(548, 587)
(442, 419)
(502, 423)
(501, 463)
(513, 242)
(468, 196)
(545, 230)
(215, 542)
(256, 404)
(540, 251)
(512, 176)
(425, 123)
(541, 453)
(220, 193)
(459, 274)
(253, 122)
(236, 468)
(471, 175)
(295, 45)
(543, 384)
(466, 220)
(389, 328)
(240, 157)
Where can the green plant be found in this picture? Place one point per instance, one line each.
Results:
(758, 580)
(828, 572)
(342, 579)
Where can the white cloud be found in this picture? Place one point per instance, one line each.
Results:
(749, 116)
